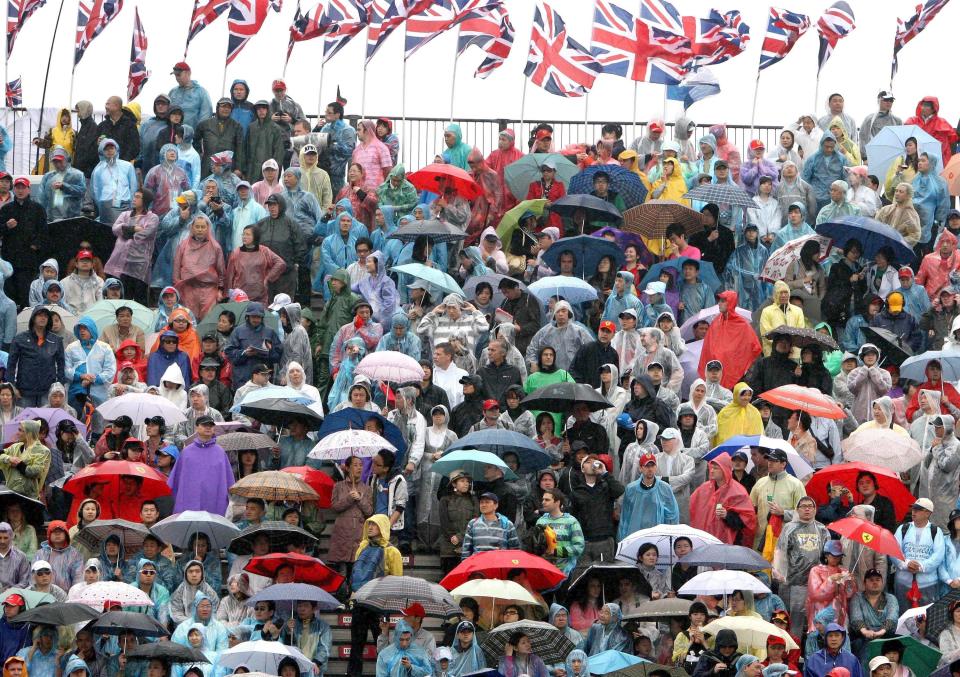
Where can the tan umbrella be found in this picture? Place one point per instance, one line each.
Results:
(274, 485)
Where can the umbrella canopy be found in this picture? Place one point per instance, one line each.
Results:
(541, 574)
(708, 315)
(797, 465)
(951, 174)
(178, 529)
(801, 337)
(33, 510)
(708, 274)
(317, 480)
(65, 236)
(550, 644)
(168, 651)
(51, 415)
(587, 252)
(799, 398)
(122, 622)
(491, 588)
(31, 598)
(511, 218)
(919, 658)
(436, 277)
(500, 441)
(346, 443)
(434, 178)
(101, 593)
(274, 485)
(273, 392)
(726, 556)
(871, 233)
(662, 536)
(493, 279)
(622, 182)
(610, 574)
(938, 614)
(264, 656)
(208, 324)
(472, 462)
(244, 441)
(573, 289)
(659, 609)
(280, 534)
(781, 260)
(131, 534)
(722, 582)
(690, 361)
(846, 474)
(596, 209)
(139, 407)
(58, 613)
(884, 447)
(648, 670)
(390, 366)
(393, 594)
(907, 615)
(893, 348)
(750, 631)
(279, 412)
(868, 534)
(888, 145)
(722, 193)
(296, 592)
(520, 174)
(652, 219)
(69, 319)
(914, 368)
(351, 417)
(612, 660)
(104, 313)
(561, 397)
(153, 483)
(436, 231)
(306, 569)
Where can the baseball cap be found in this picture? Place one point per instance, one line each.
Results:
(647, 459)
(905, 272)
(457, 474)
(170, 450)
(262, 103)
(608, 325)
(886, 96)
(756, 144)
(181, 66)
(543, 134)
(14, 600)
(923, 504)
(872, 573)
(739, 455)
(21, 181)
(630, 312)
(243, 184)
(271, 164)
(834, 548)
(656, 287)
(205, 420)
(776, 455)
(59, 153)
(549, 163)
(416, 610)
(670, 434)
(776, 640)
(224, 101)
(490, 496)
(209, 363)
(279, 301)
(40, 565)
(262, 369)
(490, 404)
(879, 661)
(656, 126)
(278, 84)
(84, 254)
(714, 364)
(310, 148)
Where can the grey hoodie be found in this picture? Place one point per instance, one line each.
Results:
(36, 287)
(296, 344)
(941, 473)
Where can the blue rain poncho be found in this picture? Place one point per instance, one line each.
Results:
(611, 636)
(408, 344)
(388, 662)
(469, 659)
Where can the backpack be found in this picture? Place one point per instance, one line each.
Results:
(369, 565)
(934, 530)
(537, 540)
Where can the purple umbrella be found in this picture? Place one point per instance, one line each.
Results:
(645, 257)
(49, 414)
(690, 361)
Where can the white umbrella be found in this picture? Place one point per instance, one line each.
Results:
(99, 593)
(883, 447)
(264, 656)
(907, 615)
(69, 319)
(177, 530)
(662, 536)
(798, 464)
(141, 406)
(722, 582)
(346, 443)
(505, 591)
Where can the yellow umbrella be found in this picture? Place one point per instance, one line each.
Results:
(511, 218)
(752, 633)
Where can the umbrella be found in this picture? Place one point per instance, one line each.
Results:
(799, 398)
(893, 348)
(914, 368)
(609, 574)
(722, 193)
(648, 670)
(306, 569)
(64, 238)
(951, 174)
(296, 592)
(121, 622)
(131, 534)
(113, 592)
(59, 613)
(520, 174)
(69, 319)
(434, 178)
(663, 537)
(587, 252)
(797, 465)
(274, 485)
(390, 366)
(939, 616)
(907, 615)
(622, 182)
(801, 337)
(33, 510)
(652, 219)
(264, 656)
(273, 392)
(871, 233)
(883, 446)
(846, 474)
(919, 658)
(351, 417)
(708, 315)
(752, 633)
(491, 588)
(317, 480)
(722, 582)
(780, 261)
(499, 442)
(726, 556)
(208, 324)
(104, 313)
(511, 218)
(222, 428)
(32, 598)
(690, 361)
(657, 610)
(178, 529)
(550, 644)
(436, 277)
(436, 231)
(573, 289)
(870, 535)
(346, 443)
(499, 563)
(472, 462)
(493, 279)
(888, 145)
(279, 412)
(139, 407)
(168, 651)
(596, 209)
(708, 275)
(561, 397)
(245, 441)
(612, 660)
(154, 483)
(393, 594)
(280, 534)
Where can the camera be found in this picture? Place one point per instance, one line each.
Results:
(318, 139)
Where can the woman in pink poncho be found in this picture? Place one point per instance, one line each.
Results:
(371, 154)
(198, 269)
(253, 267)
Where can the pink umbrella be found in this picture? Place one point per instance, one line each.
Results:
(780, 261)
(708, 315)
(102, 593)
(390, 366)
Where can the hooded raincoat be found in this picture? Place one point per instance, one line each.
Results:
(63, 202)
(89, 357)
(930, 197)
(735, 419)
(113, 182)
(739, 525)
(133, 251)
(457, 153)
(935, 126)
(820, 170)
(284, 238)
(201, 478)
(403, 197)
(731, 340)
(609, 637)
(379, 290)
(198, 269)
(166, 180)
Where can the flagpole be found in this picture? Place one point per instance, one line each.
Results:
(320, 107)
(633, 120)
(664, 118)
(46, 77)
(453, 80)
(363, 90)
(186, 44)
(586, 118)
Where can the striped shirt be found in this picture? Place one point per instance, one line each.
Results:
(482, 535)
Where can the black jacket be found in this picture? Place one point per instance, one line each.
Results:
(498, 379)
(709, 658)
(526, 313)
(593, 506)
(22, 245)
(430, 398)
(650, 407)
(124, 132)
(586, 364)
(716, 252)
(85, 154)
(590, 433)
(33, 367)
(465, 414)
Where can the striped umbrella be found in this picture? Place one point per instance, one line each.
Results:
(550, 644)
(273, 485)
(280, 535)
(652, 219)
(722, 193)
(131, 534)
(245, 441)
(395, 593)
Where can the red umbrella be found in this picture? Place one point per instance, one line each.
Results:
(870, 535)
(306, 569)
(109, 472)
(499, 563)
(798, 398)
(318, 480)
(433, 177)
(846, 474)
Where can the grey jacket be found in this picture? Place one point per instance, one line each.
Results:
(941, 474)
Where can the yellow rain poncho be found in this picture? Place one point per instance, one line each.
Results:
(735, 420)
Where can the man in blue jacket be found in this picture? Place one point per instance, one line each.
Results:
(823, 168)
(340, 144)
(252, 343)
(832, 655)
(168, 353)
(647, 502)
(36, 359)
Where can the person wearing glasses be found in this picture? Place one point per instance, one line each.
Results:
(149, 582)
(42, 580)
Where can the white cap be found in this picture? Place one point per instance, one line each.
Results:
(670, 434)
(41, 564)
(442, 653)
(878, 661)
(655, 287)
(280, 300)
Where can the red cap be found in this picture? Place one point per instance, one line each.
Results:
(543, 134)
(656, 126)
(84, 254)
(4, 175)
(21, 181)
(415, 610)
(490, 404)
(774, 640)
(14, 600)
(608, 325)
(905, 272)
(756, 144)
(126, 365)
(647, 459)
(181, 66)
(279, 84)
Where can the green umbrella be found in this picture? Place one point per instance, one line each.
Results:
(520, 174)
(918, 657)
(105, 313)
(209, 322)
(31, 597)
(511, 219)
(436, 277)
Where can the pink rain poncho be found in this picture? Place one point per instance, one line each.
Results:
(253, 270)
(198, 272)
(373, 155)
(133, 251)
(488, 207)
(166, 180)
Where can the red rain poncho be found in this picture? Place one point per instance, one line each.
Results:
(935, 126)
(498, 161)
(734, 498)
(254, 271)
(488, 207)
(731, 340)
(199, 270)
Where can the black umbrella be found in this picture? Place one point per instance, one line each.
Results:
(610, 574)
(550, 644)
(61, 613)
(801, 337)
(280, 534)
(279, 412)
(726, 556)
(650, 670)
(893, 349)
(939, 616)
(597, 209)
(66, 235)
(122, 622)
(131, 534)
(561, 397)
(33, 510)
(166, 651)
(437, 231)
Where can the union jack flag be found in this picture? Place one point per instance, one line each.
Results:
(384, 16)
(438, 17)
(245, 19)
(629, 47)
(18, 11)
(490, 29)
(557, 62)
(15, 93)
(348, 19)
(205, 12)
(93, 16)
(784, 28)
(138, 59)
(719, 37)
(835, 24)
(912, 27)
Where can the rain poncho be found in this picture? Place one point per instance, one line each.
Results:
(645, 507)
(379, 290)
(494, 251)
(388, 661)
(740, 524)
(797, 190)
(340, 144)
(198, 269)
(172, 230)
(296, 343)
(457, 153)
(703, 164)
(36, 287)
(834, 210)
(89, 357)
(133, 253)
(610, 637)
(935, 126)
(776, 315)
(316, 181)
(735, 419)
(629, 466)
(337, 251)
(372, 155)
(201, 478)
(166, 180)
(940, 473)
(619, 302)
(488, 206)
(248, 212)
(285, 239)
(742, 274)
(789, 232)
(850, 149)
(565, 340)
(499, 159)
(113, 182)
(340, 390)
(64, 202)
(303, 206)
(215, 636)
(727, 151)
(930, 197)
(820, 170)
(731, 340)
(466, 659)
(408, 344)
(903, 218)
(402, 198)
(159, 594)
(225, 179)
(253, 270)
(193, 100)
(189, 158)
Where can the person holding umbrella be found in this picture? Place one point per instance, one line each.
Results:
(309, 634)
(518, 658)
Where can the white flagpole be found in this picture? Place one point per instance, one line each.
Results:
(453, 80)
(363, 90)
(320, 106)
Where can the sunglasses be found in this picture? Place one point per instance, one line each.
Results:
(147, 572)
(44, 572)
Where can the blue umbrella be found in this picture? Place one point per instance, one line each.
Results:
(436, 277)
(472, 462)
(796, 465)
(573, 289)
(532, 456)
(520, 174)
(889, 143)
(871, 233)
(296, 592)
(612, 660)
(914, 368)
(587, 252)
(597, 209)
(622, 181)
(352, 417)
(707, 273)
